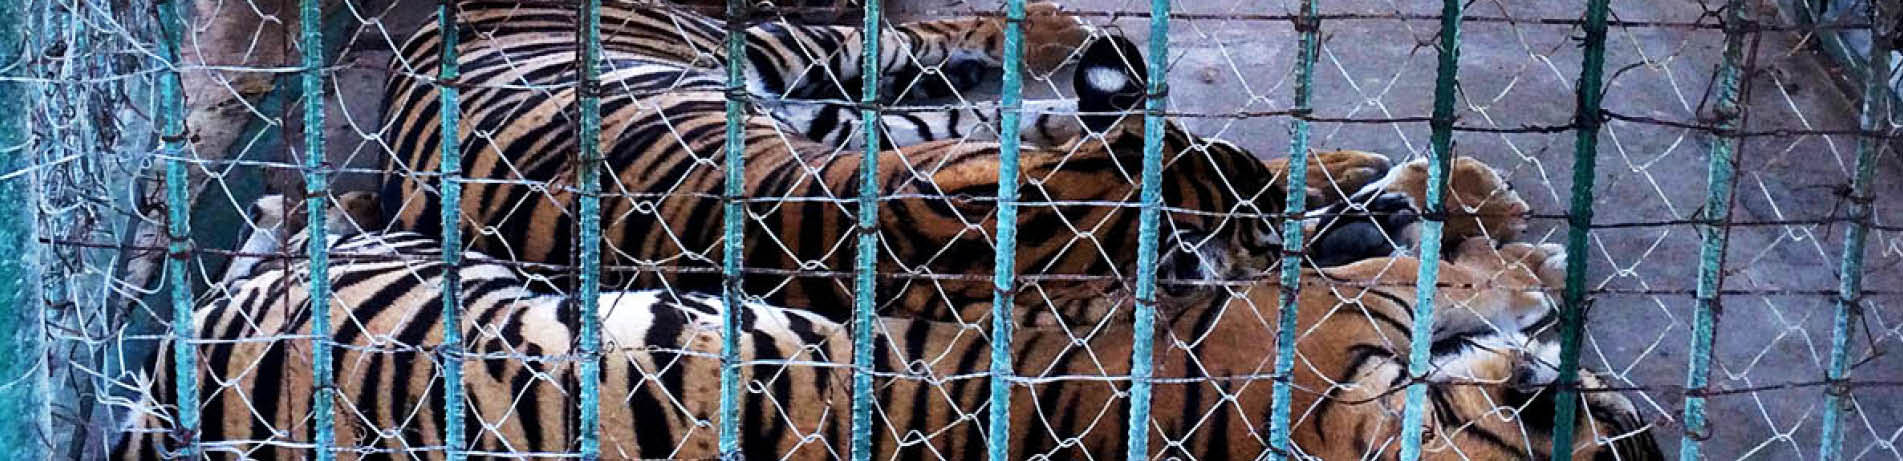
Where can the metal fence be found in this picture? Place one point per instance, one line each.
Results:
(140, 132)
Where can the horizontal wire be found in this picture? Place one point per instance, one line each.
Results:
(1240, 282)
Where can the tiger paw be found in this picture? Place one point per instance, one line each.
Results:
(1051, 36)
(1545, 262)
(1336, 175)
(1341, 172)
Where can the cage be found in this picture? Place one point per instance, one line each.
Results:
(1713, 170)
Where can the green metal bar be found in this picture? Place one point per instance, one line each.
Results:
(734, 217)
(1714, 234)
(316, 194)
(1585, 170)
(1004, 276)
(25, 411)
(588, 194)
(1144, 337)
(865, 282)
(1873, 121)
(1435, 214)
(451, 167)
(219, 222)
(1308, 25)
(178, 228)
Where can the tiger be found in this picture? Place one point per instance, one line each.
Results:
(1489, 387)
(662, 138)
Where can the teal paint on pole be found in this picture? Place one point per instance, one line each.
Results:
(448, 71)
(1714, 233)
(1587, 119)
(1004, 276)
(25, 429)
(178, 229)
(1144, 337)
(733, 218)
(1435, 216)
(1874, 122)
(219, 222)
(588, 183)
(1309, 26)
(865, 281)
(317, 193)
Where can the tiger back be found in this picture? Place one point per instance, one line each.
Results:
(663, 106)
(1488, 388)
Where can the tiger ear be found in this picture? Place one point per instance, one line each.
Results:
(353, 212)
(1110, 84)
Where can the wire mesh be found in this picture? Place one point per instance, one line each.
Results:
(1745, 313)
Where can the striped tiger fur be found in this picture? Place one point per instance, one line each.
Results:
(841, 12)
(1488, 393)
(662, 135)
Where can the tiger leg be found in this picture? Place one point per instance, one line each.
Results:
(1043, 123)
(1335, 175)
(915, 59)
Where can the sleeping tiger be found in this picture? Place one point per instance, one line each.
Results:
(662, 136)
(1489, 395)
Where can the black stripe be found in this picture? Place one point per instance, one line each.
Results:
(916, 340)
(1360, 356)
(218, 360)
(404, 366)
(267, 390)
(924, 128)
(657, 440)
(1218, 432)
(1445, 413)
(371, 393)
(886, 360)
(529, 411)
(762, 431)
(963, 394)
(385, 297)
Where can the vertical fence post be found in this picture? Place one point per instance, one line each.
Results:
(23, 397)
(865, 281)
(316, 198)
(451, 353)
(171, 112)
(1308, 25)
(1004, 276)
(733, 218)
(1144, 336)
(1435, 216)
(588, 194)
(1873, 122)
(1587, 120)
(1714, 232)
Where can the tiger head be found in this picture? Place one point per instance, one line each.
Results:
(275, 219)
(1492, 397)
(1491, 381)
(1384, 216)
(1222, 203)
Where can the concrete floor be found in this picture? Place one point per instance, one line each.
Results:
(1518, 72)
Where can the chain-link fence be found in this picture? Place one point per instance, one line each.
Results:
(1053, 247)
